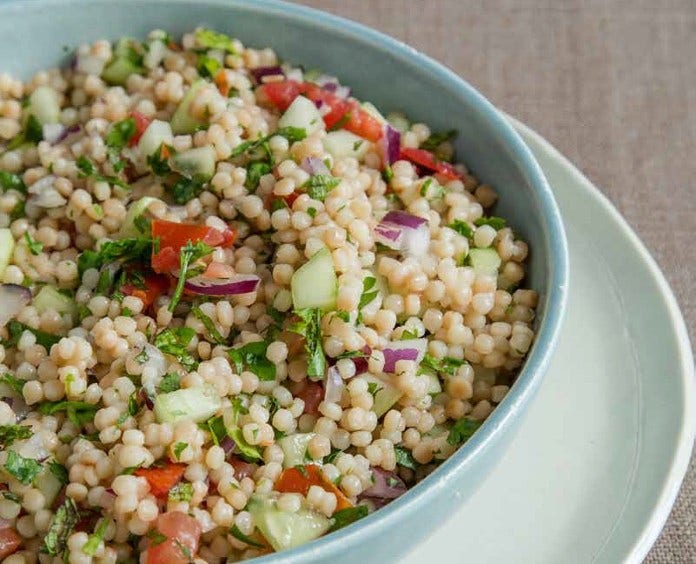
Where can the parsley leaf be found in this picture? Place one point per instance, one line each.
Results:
(120, 134)
(292, 134)
(11, 433)
(433, 143)
(209, 39)
(347, 516)
(405, 458)
(463, 228)
(216, 427)
(252, 356)
(34, 246)
(209, 325)
(16, 328)
(62, 525)
(132, 249)
(12, 382)
(169, 383)
(255, 171)
(92, 544)
(189, 254)
(158, 163)
(462, 431)
(239, 535)
(446, 365)
(9, 181)
(186, 189)
(179, 448)
(59, 471)
(181, 492)
(78, 412)
(249, 452)
(174, 341)
(496, 223)
(309, 327)
(207, 66)
(319, 185)
(23, 469)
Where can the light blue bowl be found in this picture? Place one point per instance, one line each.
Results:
(394, 77)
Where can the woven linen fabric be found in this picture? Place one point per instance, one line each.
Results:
(611, 84)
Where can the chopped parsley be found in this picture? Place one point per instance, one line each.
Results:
(309, 326)
(62, 525)
(463, 228)
(179, 448)
(369, 293)
(312, 212)
(387, 173)
(189, 254)
(433, 143)
(186, 189)
(33, 245)
(216, 427)
(158, 163)
(92, 544)
(341, 122)
(78, 412)
(174, 341)
(319, 185)
(12, 382)
(215, 335)
(239, 535)
(16, 328)
(405, 458)
(22, 469)
(446, 365)
(209, 39)
(33, 133)
(11, 433)
(342, 315)
(496, 223)
(120, 134)
(59, 471)
(349, 515)
(249, 452)
(373, 388)
(252, 356)
(86, 169)
(207, 66)
(255, 171)
(292, 134)
(10, 181)
(462, 431)
(131, 249)
(181, 492)
(169, 383)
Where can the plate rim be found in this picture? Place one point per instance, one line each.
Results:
(672, 481)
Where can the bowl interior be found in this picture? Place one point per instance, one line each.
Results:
(393, 76)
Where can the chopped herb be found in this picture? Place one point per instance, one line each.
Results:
(347, 516)
(59, 471)
(12, 382)
(216, 427)
(16, 328)
(184, 549)
(252, 356)
(23, 469)
(405, 458)
(92, 544)
(373, 388)
(189, 254)
(17, 211)
(174, 341)
(155, 537)
(387, 173)
(209, 325)
(207, 66)
(446, 365)
(407, 335)
(78, 412)
(132, 249)
(496, 223)
(312, 212)
(11, 433)
(309, 327)
(433, 143)
(85, 167)
(186, 189)
(462, 431)
(10, 496)
(170, 383)
(10, 181)
(341, 122)
(158, 163)
(278, 204)
(329, 458)
(357, 145)
(133, 405)
(62, 525)
(343, 315)
(239, 535)
(142, 223)
(255, 171)
(142, 356)
(209, 39)
(119, 136)
(319, 185)
(34, 130)
(463, 228)
(179, 448)
(292, 134)
(369, 293)
(181, 492)
(249, 452)
(425, 186)
(83, 312)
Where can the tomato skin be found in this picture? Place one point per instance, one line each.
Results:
(183, 535)
(281, 94)
(299, 480)
(166, 260)
(312, 395)
(9, 539)
(163, 479)
(142, 122)
(155, 286)
(426, 159)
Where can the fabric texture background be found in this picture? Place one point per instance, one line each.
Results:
(611, 84)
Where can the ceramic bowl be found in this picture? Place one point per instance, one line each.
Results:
(393, 76)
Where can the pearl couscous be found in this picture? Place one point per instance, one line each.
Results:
(239, 308)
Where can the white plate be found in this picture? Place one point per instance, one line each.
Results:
(597, 462)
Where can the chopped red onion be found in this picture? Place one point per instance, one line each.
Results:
(404, 232)
(13, 298)
(261, 73)
(333, 385)
(314, 165)
(388, 235)
(240, 284)
(404, 219)
(228, 445)
(412, 349)
(391, 144)
(51, 132)
(75, 128)
(387, 485)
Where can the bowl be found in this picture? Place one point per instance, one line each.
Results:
(393, 76)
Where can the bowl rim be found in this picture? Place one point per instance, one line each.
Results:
(554, 236)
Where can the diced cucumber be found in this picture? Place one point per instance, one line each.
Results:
(157, 132)
(198, 162)
(285, 530)
(295, 448)
(7, 244)
(182, 120)
(188, 404)
(48, 484)
(135, 210)
(127, 47)
(484, 261)
(44, 105)
(342, 144)
(434, 385)
(119, 69)
(314, 284)
(385, 394)
(399, 122)
(50, 298)
(304, 114)
(370, 108)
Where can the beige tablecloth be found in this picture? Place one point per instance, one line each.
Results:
(610, 83)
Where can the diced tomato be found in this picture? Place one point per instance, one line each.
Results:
(9, 539)
(299, 480)
(155, 286)
(312, 395)
(242, 468)
(176, 235)
(166, 260)
(181, 543)
(221, 82)
(141, 124)
(163, 479)
(346, 114)
(427, 160)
